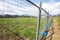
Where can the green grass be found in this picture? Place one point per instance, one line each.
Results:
(25, 26)
(58, 20)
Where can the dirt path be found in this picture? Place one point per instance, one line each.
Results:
(56, 35)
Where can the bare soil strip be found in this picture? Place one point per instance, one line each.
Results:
(56, 35)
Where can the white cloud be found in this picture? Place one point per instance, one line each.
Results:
(53, 7)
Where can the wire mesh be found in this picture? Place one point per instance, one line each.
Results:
(26, 23)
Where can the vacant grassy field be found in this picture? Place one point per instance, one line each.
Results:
(58, 20)
(25, 26)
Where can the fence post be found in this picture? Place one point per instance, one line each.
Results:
(39, 21)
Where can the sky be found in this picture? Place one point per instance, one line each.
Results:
(22, 7)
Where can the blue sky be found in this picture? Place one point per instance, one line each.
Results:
(57, 0)
(45, 1)
(50, 5)
(22, 7)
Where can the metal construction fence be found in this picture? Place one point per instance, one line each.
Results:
(28, 20)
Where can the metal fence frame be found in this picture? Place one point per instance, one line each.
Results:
(39, 18)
